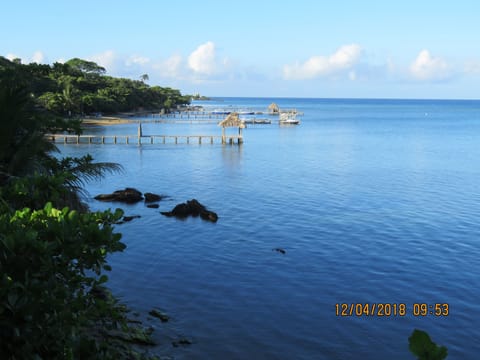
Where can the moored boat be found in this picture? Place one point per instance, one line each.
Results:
(289, 118)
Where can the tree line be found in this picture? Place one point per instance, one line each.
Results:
(53, 251)
(80, 87)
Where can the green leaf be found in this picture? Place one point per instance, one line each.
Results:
(424, 348)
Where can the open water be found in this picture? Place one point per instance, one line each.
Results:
(373, 201)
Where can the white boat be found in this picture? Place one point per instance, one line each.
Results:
(289, 118)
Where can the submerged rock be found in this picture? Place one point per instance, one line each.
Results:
(153, 206)
(182, 341)
(192, 208)
(163, 317)
(130, 218)
(128, 195)
(150, 197)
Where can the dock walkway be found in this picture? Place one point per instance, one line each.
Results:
(144, 139)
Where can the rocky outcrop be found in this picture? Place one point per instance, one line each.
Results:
(192, 208)
(150, 197)
(128, 195)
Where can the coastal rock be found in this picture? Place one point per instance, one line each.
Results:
(150, 197)
(130, 218)
(181, 341)
(192, 208)
(128, 195)
(153, 206)
(160, 315)
(127, 219)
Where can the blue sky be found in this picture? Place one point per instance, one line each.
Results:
(341, 48)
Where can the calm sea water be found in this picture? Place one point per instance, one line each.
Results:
(374, 201)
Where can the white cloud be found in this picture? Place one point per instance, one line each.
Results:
(107, 59)
(472, 68)
(202, 59)
(171, 68)
(38, 57)
(427, 67)
(137, 60)
(12, 57)
(343, 59)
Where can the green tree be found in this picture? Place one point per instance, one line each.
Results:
(23, 147)
(52, 258)
(86, 67)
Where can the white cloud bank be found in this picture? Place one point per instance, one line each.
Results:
(202, 64)
(108, 59)
(37, 57)
(202, 60)
(429, 68)
(317, 66)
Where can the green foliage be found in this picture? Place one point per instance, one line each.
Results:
(81, 87)
(50, 260)
(61, 182)
(23, 147)
(52, 257)
(85, 67)
(424, 348)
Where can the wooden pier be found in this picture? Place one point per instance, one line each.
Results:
(145, 139)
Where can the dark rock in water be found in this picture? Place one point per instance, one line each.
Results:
(153, 206)
(209, 216)
(192, 208)
(181, 210)
(163, 317)
(130, 218)
(149, 197)
(128, 195)
(280, 250)
(181, 341)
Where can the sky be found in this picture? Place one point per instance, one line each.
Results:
(320, 49)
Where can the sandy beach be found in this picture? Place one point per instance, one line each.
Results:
(105, 120)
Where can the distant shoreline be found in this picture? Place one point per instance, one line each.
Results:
(105, 120)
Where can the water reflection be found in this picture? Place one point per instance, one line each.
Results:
(232, 156)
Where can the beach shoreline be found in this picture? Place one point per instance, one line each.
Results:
(105, 120)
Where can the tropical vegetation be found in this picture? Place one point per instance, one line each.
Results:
(81, 87)
(53, 251)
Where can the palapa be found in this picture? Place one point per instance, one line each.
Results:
(273, 108)
(232, 120)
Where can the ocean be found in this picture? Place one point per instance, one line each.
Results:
(373, 202)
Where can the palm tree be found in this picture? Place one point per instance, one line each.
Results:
(25, 152)
(23, 147)
(144, 78)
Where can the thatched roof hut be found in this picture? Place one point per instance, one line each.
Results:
(273, 108)
(232, 120)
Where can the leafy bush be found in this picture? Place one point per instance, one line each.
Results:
(50, 260)
(424, 348)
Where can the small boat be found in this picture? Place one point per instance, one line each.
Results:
(289, 118)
